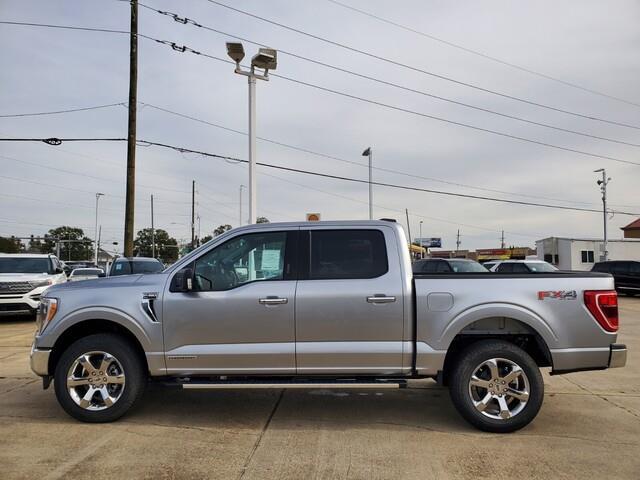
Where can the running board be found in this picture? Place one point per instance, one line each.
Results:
(291, 385)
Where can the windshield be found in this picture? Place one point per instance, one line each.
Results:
(25, 265)
(127, 267)
(460, 266)
(541, 267)
(86, 271)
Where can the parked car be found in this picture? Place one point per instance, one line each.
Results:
(85, 274)
(447, 265)
(71, 265)
(323, 305)
(134, 265)
(23, 279)
(626, 274)
(523, 266)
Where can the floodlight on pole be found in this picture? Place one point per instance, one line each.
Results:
(603, 189)
(266, 59)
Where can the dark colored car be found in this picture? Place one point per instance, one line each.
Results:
(134, 265)
(448, 265)
(626, 274)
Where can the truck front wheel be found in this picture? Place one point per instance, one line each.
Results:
(496, 386)
(99, 378)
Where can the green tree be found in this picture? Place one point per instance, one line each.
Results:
(74, 244)
(221, 229)
(166, 246)
(262, 220)
(10, 245)
(205, 239)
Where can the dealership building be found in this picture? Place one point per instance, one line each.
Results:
(582, 253)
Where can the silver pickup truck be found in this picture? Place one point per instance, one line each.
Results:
(323, 305)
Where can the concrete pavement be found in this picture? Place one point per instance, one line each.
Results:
(589, 427)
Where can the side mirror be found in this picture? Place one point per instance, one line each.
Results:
(182, 281)
(60, 270)
(102, 275)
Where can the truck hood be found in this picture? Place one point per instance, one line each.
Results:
(98, 283)
(23, 277)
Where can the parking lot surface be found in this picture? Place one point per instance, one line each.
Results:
(589, 427)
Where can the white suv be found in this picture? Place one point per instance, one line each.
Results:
(23, 278)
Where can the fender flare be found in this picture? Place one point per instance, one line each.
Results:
(489, 310)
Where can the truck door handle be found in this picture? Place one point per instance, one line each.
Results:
(378, 298)
(273, 301)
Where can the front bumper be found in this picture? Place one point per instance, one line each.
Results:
(21, 304)
(39, 361)
(618, 355)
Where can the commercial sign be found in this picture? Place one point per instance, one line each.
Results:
(433, 242)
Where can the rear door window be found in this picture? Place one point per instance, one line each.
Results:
(505, 268)
(347, 254)
(620, 268)
(443, 267)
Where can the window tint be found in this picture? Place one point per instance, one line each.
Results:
(336, 254)
(442, 267)
(520, 268)
(505, 268)
(25, 265)
(424, 266)
(619, 268)
(634, 268)
(460, 266)
(244, 259)
(541, 267)
(600, 267)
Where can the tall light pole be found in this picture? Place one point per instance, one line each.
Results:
(153, 232)
(603, 188)
(265, 60)
(421, 251)
(241, 221)
(369, 153)
(95, 259)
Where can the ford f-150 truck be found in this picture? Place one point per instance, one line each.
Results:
(323, 305)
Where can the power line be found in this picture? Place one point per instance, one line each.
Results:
(382, 169)
(406, 110)
(55, 112)
(419, 70)
(356, 180)
(484, 55)
(383, 184)
(184, 20)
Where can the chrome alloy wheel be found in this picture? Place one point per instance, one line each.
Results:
(499, 388)
(95, 380)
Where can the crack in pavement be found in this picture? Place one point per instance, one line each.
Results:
(259, 439)
(623, 408)
(19, 386)
(184, 427)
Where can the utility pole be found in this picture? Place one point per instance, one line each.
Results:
(406, 210)
(603, 188)
(99, 237)
(369, 153)
(193, 214)
(241, 222)
(421, 246)
(502, 240)
(131, 135)
(153, 232)
(458, 241)
(95, 260)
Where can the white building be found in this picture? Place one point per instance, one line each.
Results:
(582, 253)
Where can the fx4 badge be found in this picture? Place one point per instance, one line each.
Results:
(558, 295)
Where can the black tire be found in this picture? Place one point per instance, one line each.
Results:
(460, 390)
(128, 359)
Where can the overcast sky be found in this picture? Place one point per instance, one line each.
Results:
(590, 43)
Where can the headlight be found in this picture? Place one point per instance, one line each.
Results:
(46, 311)
(41, 283)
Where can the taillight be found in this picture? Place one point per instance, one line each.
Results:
(603, 305)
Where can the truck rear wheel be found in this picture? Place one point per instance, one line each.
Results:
(496, 386)
(99, 378)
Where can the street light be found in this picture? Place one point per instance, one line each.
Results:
(265, 60)
(95, 260)
(421, 247)
(603, 188)
(369, 153)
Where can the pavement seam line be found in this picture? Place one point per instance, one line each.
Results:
(602, 397)
(259, 439)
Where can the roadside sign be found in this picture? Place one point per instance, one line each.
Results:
(313, 217)
(429, 242)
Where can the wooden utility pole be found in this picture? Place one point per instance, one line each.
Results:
(193, 214)
(406, 211)
(502, 240)
(131, 136)
(153, 232)
(458, 241)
